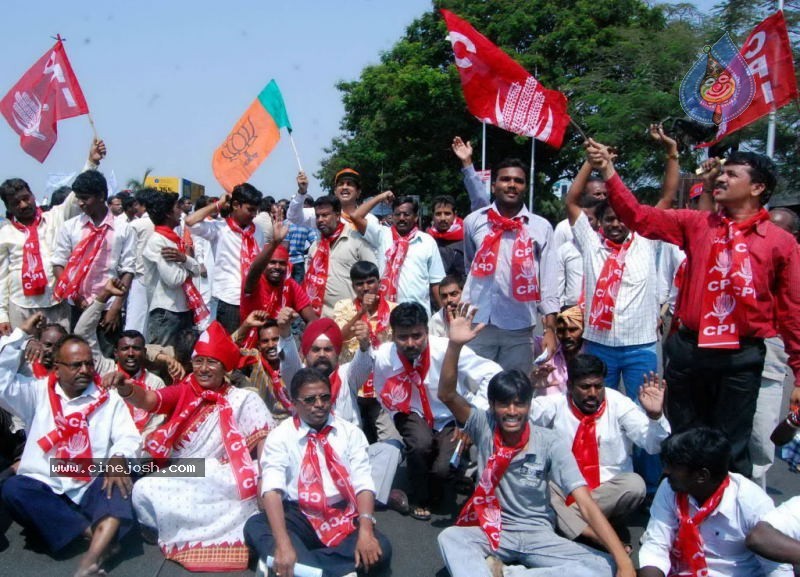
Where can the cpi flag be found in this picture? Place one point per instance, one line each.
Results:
(768, 55)
(47, 93)
(252, 138)
(500, 91)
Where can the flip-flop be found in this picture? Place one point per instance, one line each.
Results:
(420, 513)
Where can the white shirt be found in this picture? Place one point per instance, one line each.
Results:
(570, 275)
(786, 518)
(286, 445)
(492, 294)
(636, 307)
(117, 255)
(421, 268)
(724, 531)
(479, 369)
(163, 279)
(437, 325)
(562, 233)
(227, 248)
(204, 256)
(11, 242)
(669, 259)
(111, 428)
(621, 425)
(143, 227)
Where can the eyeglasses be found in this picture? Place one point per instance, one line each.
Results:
(78, 365)
(312, 399)
(208, 362)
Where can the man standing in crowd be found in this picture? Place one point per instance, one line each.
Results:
(448, 232)
(138, 301)
(450, 290)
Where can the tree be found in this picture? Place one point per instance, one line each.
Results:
(619, 62)
(135, 185)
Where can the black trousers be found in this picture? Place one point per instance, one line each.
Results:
(228, 316)
(714, 387)
(428, 455)
(334, 561)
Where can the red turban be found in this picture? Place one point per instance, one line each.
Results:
(318, 328)
(216, 343)
(281, 252)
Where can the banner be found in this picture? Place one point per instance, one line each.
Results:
(500, 91)
(47, 92)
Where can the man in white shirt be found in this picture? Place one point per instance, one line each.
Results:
(570, 262)
(409, 259)
(136, 313)
(174, 300)
(406, 375)
(235, 242)
(602, 425)
(450, 291)
(68, 417)
(594, 191)
(317, 491)
(777, 535)
(702, 514)
(27, 242)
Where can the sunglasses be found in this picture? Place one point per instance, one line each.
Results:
(312, 399)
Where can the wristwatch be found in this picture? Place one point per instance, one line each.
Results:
(369, 516)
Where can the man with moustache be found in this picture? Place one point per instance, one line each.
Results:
(509, 519)
(450, 290)
(447, 230)
(68, 417)
(550, 377)
(742, 280)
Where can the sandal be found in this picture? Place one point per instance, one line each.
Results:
(421, 513)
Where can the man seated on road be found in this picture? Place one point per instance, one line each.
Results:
(550, 377)
(509, 517)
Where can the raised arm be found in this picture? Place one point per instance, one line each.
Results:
(279, 232)
(359, 215)
(460, 333)
(128, 391)
(672, 169)
(296, 213)
(478, 197)
(208, 210)
(573, 198)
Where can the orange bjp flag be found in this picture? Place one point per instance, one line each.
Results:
(251, 139)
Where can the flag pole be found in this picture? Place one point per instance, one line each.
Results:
(771, 125)
(296, 156)
(91, 123)
(530, 180)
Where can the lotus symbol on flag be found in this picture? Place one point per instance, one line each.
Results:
(723, 263)
(77, 443)
(723, 306)
(745, 271)
(28, 114)
(239, 141)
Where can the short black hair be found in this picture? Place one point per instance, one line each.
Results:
(246, 193)
(159, 205)
(406, 199)
(585, 365)
(130, 334)
(444, 199)
(54, 327)
(591, 202)
(59, 195)
(406, 315)
(202, 201)
(507, 386)
(307, 376)
(762, 170)
(266, 204)
(363, 269)
(795, 219)
(184, 344)
(268, 324)
(11, 187)
(698, 448)
(329, 200)
(91, 183)
(601, 208)
(452, 279)
(509, 163)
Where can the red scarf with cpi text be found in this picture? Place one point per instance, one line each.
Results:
(398, 390)
(249, 250)
(687, 556)
(483, 508)
(34, 279)
(80, 261)
(140, 416)
(278, 388)
(395, 257)
(452, 234)
(317, 275)
(607, 287)
(585, 447)
(728, 283)
(383, 312)
(71, 435)
(160, 442)
(524, 273)
(194, 300)
(331, 524)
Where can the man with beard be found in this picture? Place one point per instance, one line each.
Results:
(550, 377)
(406, 375)
(450, 290)
(588, 413)
(509, 518)
(448, 232)
(70, 418)
(408, 258)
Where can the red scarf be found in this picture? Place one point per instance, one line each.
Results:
(728, 283)
(194, 300)
(453, 234)
(395, 257)
(249, 250)
(584, 446)
(34, 279)
(160, 442)
(140, 416)
(524, 271)
(687, 556)
(483, 508)
(71, 435)
(278, 388)
(39, 370)
(317, 273)
(80, 261)
(331, 524)
(383, 312)
(607, 287)
(398, 390)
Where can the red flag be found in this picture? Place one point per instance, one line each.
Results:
(769, 56)
(47, 93)
(500, 91)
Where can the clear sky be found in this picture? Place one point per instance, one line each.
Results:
(166, 80)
